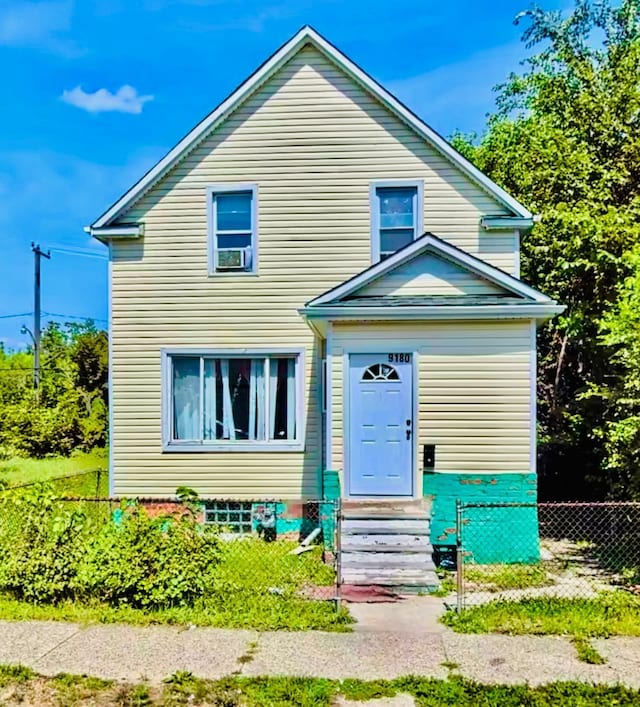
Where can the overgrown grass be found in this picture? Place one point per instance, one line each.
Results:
(259, 611)
(447, 585)
(586, 652)
(610, 614)
(18, 471)
(21, 686)
(260, 588)
(495, 578)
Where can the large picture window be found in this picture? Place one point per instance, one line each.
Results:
(233, 400)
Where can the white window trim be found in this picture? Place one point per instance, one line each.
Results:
(296, 445)
(230, 188)
(374, 210)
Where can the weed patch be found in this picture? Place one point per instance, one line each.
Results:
(495, 578)
(609, 614)
(183, 688)
(586, 652)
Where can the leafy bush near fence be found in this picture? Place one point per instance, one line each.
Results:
(51, 552)
(151, 562)
(42, 547)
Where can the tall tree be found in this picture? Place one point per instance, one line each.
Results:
(565, 140)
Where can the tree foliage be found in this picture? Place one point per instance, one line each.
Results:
(70, 409)
(565, 140)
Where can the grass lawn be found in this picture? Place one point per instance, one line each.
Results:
(19, 685)
(18, 471)
(261, 586)
(610, 614)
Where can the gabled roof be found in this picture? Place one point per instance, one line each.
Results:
(306, 36)
(430, 243)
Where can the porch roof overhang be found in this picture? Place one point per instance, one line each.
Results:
(427, 308)
(514, 300)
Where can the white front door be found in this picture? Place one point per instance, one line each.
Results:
(380, 456)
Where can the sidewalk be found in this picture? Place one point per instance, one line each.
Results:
(389, 640)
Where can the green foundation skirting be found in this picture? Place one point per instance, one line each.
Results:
(490, 535)
(331, 494)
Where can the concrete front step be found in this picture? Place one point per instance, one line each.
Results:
(383, 526)
(387, 560)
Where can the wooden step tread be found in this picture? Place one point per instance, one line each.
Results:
(382, 526)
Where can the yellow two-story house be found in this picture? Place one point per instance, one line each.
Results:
(314, 295)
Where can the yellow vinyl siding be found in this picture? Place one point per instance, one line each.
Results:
(429, 275)
(313, 142)
(474, 399)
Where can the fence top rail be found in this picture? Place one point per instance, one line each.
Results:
(552, 504)
(524, 504)
(54, 479)
(589, 504)
(198, 499)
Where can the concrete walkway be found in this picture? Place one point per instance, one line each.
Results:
(389, 640)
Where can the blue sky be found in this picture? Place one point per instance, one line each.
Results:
(97, 90)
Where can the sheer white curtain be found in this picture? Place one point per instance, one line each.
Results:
(210, 399)
(273, 392)
(186, 398)
(228, 425)
(256, 400)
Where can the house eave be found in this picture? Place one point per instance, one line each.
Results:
(507, 223)
(111, 233)
(540, 312)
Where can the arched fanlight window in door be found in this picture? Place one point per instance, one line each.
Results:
(380, 372)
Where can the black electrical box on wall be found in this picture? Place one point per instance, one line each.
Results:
(429, 457)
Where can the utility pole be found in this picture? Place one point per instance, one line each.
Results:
(36, 313)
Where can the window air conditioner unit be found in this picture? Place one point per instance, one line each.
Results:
(230, 259)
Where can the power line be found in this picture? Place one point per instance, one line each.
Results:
(73, 316)
(12, 316)
(79, 253)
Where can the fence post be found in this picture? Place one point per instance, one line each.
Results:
(338, 551)
(459, 559)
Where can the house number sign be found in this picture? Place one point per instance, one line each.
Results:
(399, 358)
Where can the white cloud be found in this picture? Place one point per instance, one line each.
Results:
(124, 100)
(37, 24)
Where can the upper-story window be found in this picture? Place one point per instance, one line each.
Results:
(233, 228)
(396, 217)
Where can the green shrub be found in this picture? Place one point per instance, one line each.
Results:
(52, 551)
(42, 547)
(151, 562)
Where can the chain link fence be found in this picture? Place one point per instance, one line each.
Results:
(267, 548)
(93, 483)
(512, 551)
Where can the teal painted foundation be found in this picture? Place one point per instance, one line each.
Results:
(490, 535)
(331, 494)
